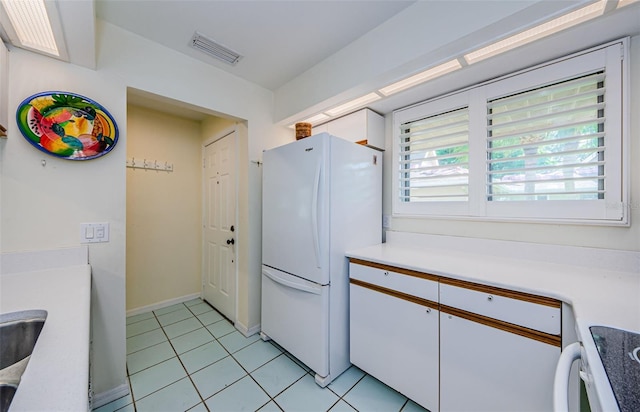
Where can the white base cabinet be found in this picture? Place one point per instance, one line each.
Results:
(487, 369)
(396, 341)
(452, 345)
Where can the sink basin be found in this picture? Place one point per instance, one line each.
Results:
(19, 333)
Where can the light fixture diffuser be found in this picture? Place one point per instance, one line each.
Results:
(537, 32)
(623, 3)
(316, 119)
(32, 25)
(422, 77)
(353, 104)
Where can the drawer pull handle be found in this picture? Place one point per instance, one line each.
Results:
(428, 310)
(386, 273)
(490, 298)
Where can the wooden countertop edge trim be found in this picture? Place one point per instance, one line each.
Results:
(523, 296)
(396, 294)
(527, 297)
(554, 340)
(396, 269)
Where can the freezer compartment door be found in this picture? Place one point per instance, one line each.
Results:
(295, 314)
(294, 209)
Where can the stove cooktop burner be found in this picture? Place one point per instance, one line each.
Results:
(619, 351)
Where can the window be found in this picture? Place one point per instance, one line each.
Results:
(548, 143)
(542, 144)
(435, 158)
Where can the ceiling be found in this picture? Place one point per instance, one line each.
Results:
(279, 40)
(341, 49)
(285, 44)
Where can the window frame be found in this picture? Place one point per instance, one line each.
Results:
(438, 106)
(613, 58)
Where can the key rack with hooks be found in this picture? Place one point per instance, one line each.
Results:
(149, 164)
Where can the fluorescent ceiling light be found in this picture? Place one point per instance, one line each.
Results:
(354, 104)
(538, 32)
(421, 77)
(316, 119)
(623, 3)
(32, 26)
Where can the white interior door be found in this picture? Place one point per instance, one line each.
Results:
(219, 257)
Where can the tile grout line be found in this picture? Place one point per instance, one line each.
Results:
(169, 339)
(231, 355)
(179, 360)
(215, 338)
(133, 401)
(202, 400)
(350, 389)
(241, 366)
(271, 399)
(247, 373)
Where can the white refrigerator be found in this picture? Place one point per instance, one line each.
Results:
(322, 196)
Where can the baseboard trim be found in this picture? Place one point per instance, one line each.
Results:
(247, 331)
(162, 304)
(111, 395)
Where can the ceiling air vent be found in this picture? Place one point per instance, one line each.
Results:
(208, 46)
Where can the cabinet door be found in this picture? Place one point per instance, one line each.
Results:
(361, 126)
(323, 128)
(396, 341)
(483, 368)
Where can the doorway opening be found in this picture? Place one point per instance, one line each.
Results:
(164, 230)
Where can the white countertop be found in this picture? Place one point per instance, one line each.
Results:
(597, 296)
(57, 376)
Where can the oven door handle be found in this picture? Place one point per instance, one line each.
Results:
(561, 381)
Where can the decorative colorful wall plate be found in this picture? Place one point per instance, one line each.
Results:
(67, 125)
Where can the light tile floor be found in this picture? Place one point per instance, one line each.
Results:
(188, 357)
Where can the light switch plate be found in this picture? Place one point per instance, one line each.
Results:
(94, 232)
(386, 221)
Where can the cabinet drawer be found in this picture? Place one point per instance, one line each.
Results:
(530, 311)
(405, 281)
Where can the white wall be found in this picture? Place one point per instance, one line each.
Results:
(42, 207)
(164, 213)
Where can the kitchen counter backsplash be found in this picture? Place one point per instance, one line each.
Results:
(29, 261)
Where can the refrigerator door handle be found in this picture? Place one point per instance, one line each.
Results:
(293, 285)
(314, 213)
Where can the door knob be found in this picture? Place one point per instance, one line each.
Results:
(230, 241)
